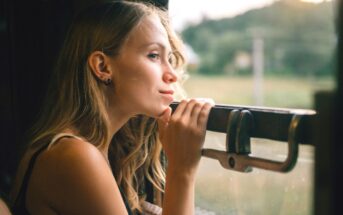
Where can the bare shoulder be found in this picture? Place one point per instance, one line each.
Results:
(73, 176)
(70, 157)
(4, 208)
(71, 151)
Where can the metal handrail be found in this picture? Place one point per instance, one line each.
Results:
(243, 122)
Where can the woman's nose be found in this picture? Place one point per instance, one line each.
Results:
(169, 74)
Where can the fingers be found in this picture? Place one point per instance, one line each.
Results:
(189, 108)
(183, 136)
(180, 109)
(194, 111)
(165, 115)
(203, 115)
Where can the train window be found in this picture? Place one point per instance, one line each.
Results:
(273, 53)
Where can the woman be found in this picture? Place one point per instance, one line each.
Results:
(97, 139)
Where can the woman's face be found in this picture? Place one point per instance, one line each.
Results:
(143, 74)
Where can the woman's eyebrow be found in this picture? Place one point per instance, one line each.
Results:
(160, 45)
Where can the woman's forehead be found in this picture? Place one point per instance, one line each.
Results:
(149, 30)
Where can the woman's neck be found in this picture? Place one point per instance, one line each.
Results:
(117, 119)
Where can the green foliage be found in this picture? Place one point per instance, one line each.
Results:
(298, 39)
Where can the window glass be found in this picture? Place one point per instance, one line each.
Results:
(274, 53)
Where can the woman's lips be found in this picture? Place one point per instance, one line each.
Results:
(168, 94)
(171, 92)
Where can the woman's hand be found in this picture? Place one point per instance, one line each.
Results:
(182, 135)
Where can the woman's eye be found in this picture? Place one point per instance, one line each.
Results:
(154, 56)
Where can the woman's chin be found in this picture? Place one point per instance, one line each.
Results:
(155, 110)
(158, 112)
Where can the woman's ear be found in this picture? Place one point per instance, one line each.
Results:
(99, 64)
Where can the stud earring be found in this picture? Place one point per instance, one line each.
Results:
(108, 81)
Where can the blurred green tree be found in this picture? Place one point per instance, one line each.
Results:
(298, 39)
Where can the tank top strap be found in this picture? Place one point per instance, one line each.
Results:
(61, 135)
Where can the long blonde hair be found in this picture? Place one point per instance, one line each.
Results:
(76, 99)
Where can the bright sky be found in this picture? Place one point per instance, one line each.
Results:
(189, 11)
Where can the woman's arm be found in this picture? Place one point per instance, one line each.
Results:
(182, 136)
